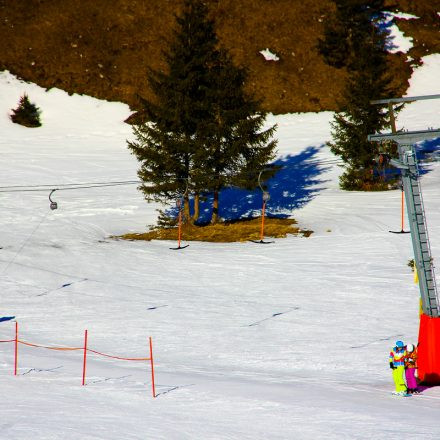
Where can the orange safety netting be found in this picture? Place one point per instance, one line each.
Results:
(46, 346)
(118, 357)
(84, 349)
(29, 344)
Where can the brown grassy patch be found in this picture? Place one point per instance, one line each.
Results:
(106, 49)
(226, 232)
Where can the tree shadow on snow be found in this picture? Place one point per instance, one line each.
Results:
(385, 25)
(294, 185)
(428, 152)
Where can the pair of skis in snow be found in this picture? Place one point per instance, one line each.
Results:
(403, 394)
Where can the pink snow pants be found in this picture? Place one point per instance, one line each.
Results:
(410, 378)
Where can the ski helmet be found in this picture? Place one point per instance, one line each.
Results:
(399, 344)
(410, 348)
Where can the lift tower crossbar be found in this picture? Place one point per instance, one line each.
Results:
(407, 163)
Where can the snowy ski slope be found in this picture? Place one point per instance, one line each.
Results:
(284, 341)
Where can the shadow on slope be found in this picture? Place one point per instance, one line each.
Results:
(427, 153)
(293, 186)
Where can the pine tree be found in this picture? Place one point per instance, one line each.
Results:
(202, 129)
(166, 143)
(358, 119)
(27, 113)
(363, 53)
(236, 146)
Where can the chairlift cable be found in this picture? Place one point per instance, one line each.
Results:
(89, 185)
(66, 188)
(70, 184)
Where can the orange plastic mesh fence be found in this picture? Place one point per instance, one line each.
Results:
(49, 348)
(29, 344)
(118, 357)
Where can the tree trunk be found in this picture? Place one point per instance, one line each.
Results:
(187, 217)
(196, 214)
(214, 218)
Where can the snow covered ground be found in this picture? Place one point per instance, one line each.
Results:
(284, 341)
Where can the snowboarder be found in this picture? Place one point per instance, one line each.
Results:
(410, 368)
(397, 364)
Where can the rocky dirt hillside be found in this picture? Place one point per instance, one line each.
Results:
(103, 48)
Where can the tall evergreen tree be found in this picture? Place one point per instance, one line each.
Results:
(202, 129)
(236, 146)
(165, 144)
(356, 40)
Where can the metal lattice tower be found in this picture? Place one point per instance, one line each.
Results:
(419, 232)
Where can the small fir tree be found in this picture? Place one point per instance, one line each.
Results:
(356, 30)
(27, 113)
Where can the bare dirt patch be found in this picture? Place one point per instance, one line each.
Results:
(225, 232)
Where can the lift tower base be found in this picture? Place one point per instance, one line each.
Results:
(429, 350)
(429, 331)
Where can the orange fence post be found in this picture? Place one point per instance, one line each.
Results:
(16, 349)
(85, 350)
(152, 368)
(85, 358)
(180, 225)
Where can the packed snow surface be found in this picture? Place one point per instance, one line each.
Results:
(399, 42)
(288, 340)
(268, 55)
